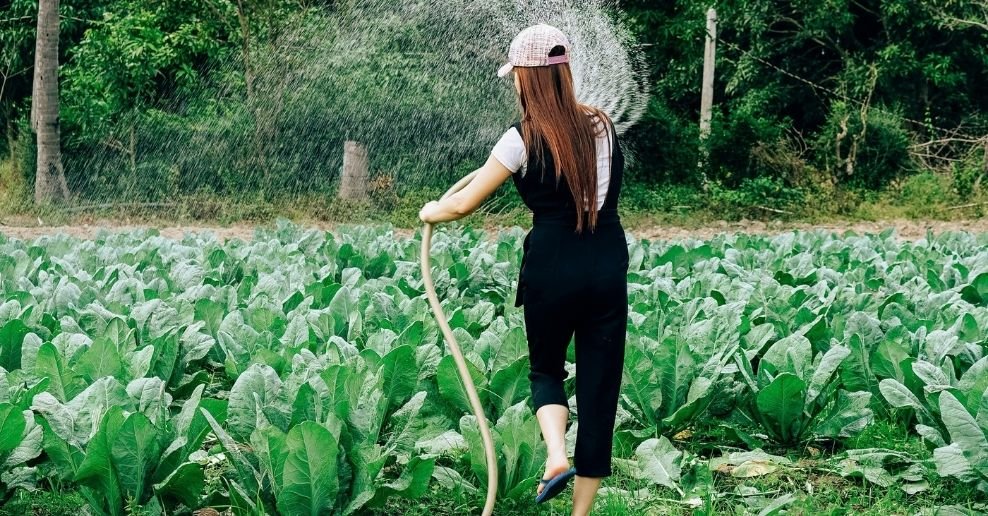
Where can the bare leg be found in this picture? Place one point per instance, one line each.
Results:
(584, 491)
(552, 419)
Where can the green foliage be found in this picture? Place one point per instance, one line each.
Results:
(808, 66)
(796, 395)
(967, 455)
(969, 175)
(210, 97)
(868, 155)
(313, 361)
(755, 198)
(121, 58)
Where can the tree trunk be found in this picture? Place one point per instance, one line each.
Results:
(49, 182)
(11, 139)
(353, 183)
(245, 35)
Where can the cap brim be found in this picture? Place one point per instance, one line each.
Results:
(505, 70)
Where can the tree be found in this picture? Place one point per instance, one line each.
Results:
(49, 182)
(963, 14)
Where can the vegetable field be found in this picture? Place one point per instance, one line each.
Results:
(301, 373)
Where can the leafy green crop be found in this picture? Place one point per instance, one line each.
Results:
(796, 397)
(966, 457)
(302, 372)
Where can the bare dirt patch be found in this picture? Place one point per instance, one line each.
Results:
(905, 229)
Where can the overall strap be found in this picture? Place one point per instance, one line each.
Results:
(614, 184)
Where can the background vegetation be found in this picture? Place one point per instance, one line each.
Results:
(864, 109)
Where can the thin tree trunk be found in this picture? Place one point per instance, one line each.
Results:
(49, 182)
(353, 183)
(8, 111)
(11, 139)
(245, 35)
(133, 145)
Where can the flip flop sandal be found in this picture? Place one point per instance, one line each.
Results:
(554, 485)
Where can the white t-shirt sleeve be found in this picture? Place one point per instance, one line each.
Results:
(510, 151)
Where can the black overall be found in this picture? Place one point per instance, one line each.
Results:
(575, 284)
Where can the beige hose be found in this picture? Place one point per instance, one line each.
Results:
(461, 365)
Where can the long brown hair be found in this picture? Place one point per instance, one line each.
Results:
(551, 116)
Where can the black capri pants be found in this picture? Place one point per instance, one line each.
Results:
(577, 285)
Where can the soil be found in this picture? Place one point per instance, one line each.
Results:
(905, 229)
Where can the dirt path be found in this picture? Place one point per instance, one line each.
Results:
(907, 229)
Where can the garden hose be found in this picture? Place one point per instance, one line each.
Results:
(461, 365)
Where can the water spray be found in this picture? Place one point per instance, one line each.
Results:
(454, 348)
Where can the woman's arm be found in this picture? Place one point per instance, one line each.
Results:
(489, 177)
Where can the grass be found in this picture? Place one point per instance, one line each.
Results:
(43, 503)
(817, 491)
(14, 195)
(924, 196)
(813, 480)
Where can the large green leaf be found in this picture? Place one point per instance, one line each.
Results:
(900, 396)
(75, 420)
(857, 370)
(470, 431)
(310, 482)
(510, 385)
(977, 292)
(166, 356)
(887, 360)
(65, 457)
(974, 384)
(503, 349)
(412, 484)
(96, 471)
(824, 372)
(368, 407)
(338, 379)
(135, 451)
(256, 390)
(64, 383)
(405, 425)
(451, 386)
(11, 429)
(965, 432)
(951, 462)
(792, 354)
(697, 399)
(521, 454)
(399, 375)
(100, 360)
(412, 335)
(11, 337)
(211, 313)
(641, 384)
(270, 446)
(780, 406)
(367, 462)
(185, 484)
(676, 368)
(848, 415)
(659, 462)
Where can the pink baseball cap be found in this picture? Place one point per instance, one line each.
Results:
(531, 47)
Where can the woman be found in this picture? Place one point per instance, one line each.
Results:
(573, 280)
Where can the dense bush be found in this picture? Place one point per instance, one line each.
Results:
(793, 72)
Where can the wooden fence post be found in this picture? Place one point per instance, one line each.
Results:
(353, 182)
